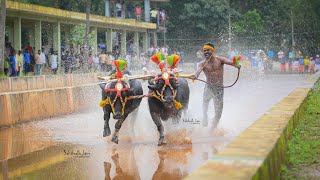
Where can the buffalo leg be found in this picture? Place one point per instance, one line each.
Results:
(156, 119)
(117, 129)
(176, 119)
(132, 120)
(106, 129)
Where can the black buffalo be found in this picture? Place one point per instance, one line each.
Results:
(120, 109)
(163, 106)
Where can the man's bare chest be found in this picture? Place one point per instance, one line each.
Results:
(213, 66)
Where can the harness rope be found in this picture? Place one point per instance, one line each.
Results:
(156, 94)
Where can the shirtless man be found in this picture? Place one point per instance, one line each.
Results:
(213, 69)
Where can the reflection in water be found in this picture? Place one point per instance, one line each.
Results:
(120, 173)
(172, 163)
(49, 163)
(22, 140)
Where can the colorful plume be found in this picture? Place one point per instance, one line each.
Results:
(158, 59)
(120, 65)
(173, 61)
(236, 59)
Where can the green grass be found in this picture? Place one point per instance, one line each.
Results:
(304, 147)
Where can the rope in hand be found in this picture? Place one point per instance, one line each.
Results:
(223, 86)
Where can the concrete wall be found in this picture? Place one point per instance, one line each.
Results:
(43, 82)
(18, 107)
(259, 151)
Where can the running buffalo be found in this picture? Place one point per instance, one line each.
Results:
(171, 98)
(117, 93)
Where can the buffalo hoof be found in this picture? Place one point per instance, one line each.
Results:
(162, 141)
(106, 132)
(115, 139)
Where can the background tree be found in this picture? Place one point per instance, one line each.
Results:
(88, 6)
(77, 36)
(263, 24)
(2, 34)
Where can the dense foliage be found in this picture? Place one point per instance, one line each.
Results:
(255, 24)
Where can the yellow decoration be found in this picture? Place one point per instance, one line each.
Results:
(177, 104)
(104, 103)
(208, 47)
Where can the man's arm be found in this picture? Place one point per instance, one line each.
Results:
(199, 69)
(228, 62)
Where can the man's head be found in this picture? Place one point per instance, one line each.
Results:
(208, 49)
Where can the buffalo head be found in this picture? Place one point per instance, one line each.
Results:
(165, 86)
(117, 93)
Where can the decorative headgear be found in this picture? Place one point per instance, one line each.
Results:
(236, 59)
(208, 46)
(173, 61)
(158, 59)
(120, 65)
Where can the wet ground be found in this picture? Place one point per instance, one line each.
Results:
(72, 146)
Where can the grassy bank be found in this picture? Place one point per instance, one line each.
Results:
(304, 147)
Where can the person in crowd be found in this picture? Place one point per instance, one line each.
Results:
(29, 48)
(301, 65)
(19, 58)
(312, 65)
(68, 61)
(7, 53)
(306, 64)
(150, 50)
(130, 10)
(81, 58)
(128, 59)
(27, 62)
(163, 17)
(154, 15)
(12, 59)
(103, 60)
(108, 62)
(39, 62)
(96, 62)
(44, 61)
(54, 62)
(138, 12)
(123, 9)
(90, 62)
(118, 8)
(282, 60)
(290, 61)
(317, 61)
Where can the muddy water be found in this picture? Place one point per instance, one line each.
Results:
(72, 146)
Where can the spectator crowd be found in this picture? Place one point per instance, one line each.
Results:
(45, 61)
(125, 9)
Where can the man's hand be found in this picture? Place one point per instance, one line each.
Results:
(193, 77)
(237, 66)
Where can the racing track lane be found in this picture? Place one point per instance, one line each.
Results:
(76, 140)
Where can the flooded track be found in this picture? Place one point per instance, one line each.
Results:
(72, 146)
